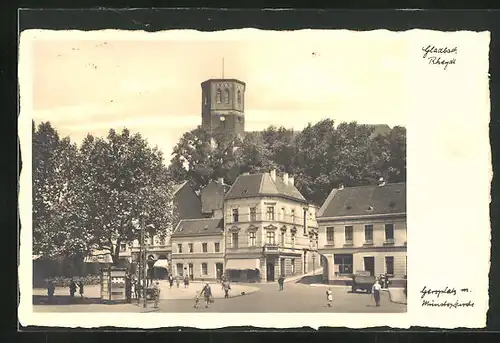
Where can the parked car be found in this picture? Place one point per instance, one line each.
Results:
(362, 280)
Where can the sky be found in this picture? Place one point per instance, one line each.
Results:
(152, 86)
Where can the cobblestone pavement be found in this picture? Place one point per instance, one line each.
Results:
(295, 298)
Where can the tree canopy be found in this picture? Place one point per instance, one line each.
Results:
(320, 157)
(94, 197)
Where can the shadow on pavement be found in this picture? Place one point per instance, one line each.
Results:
(64, 300)
(310, 279)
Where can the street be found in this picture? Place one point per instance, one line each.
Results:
(296, 297)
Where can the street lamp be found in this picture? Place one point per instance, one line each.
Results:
(142, 257)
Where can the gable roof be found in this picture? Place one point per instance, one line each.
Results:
(199, 227)
(257, 185)
(365, 200)
(177, 187)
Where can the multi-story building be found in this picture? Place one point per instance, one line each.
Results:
(198, 248)
(270, 228)
(187, 205)
(363, 229)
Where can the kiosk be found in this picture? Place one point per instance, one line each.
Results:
(113, 284)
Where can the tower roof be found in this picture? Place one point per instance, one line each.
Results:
(223, 80)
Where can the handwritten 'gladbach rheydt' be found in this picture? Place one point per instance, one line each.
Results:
(440, 56)
(441, 297)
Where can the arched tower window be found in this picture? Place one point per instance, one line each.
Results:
(226, 96)
(238, 97)
(218, 96)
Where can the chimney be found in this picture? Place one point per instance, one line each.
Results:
(381, 182)
(285, 178)
(341, 186)
(221, 180)
(273, 174)
(291, 180)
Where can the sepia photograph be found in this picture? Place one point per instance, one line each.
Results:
(255, 176)
(246, 173)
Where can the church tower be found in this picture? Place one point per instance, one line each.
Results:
(223, 105)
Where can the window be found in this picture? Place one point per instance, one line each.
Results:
(253, 214)
(389, 232)
(282, 240)
(190, 247)
(252, 237)
(217, 247)
(389, 265)
(218, 96)
(234, 239)
(292, 214)
(123, 246)
(226, 96)
(344, 263)
(270, 212)
(293, 238)
(179, 248)
(330, 235)
(204, 247)
(235, 215)
(348, 234)
(271, 237)
(293, 266)
(283, 214)
(238, 97)
(204, 269)
(368, 233)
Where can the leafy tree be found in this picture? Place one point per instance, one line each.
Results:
(200, 156)
(53, 176)
(123, 184)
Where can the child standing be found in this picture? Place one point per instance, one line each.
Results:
(329, 297)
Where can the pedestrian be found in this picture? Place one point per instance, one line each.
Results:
(132, 289)
(80, 288)
(376, 292)
(72, 287)
(226, 287)
(281, 281)
(329, 297)
(50, 290)
(171, 281)
(197, 299)
(186, 281)
(207, 293)
(156, 288)
(178, 281)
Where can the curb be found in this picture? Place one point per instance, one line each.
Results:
(393, 301)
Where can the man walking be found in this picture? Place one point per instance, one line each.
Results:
(207, 293)
(376, 292)
(281, 281)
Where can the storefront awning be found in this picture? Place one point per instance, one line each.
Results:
(161, 264)
(242, 264)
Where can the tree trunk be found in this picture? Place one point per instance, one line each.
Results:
(116, 254)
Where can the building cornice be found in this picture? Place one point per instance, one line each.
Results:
(361, 216)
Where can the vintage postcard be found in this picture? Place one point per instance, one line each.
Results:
(278, 179)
